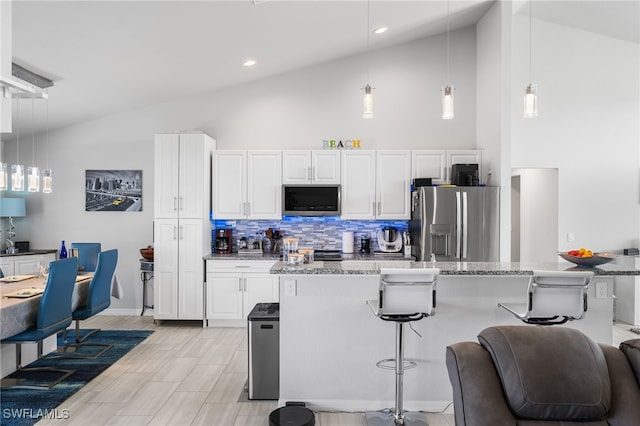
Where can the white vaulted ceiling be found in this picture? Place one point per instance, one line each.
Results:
(107, 57)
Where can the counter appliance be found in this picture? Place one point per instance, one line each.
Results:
(389, 240)
(223, 242)
(455, 223)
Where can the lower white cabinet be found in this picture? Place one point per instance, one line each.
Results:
(24, 264)
(234, 287)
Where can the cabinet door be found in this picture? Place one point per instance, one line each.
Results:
(358, 184)
(259, 288)
(7, 267)
(166, 148)
(296, 166)
(224, 296)
(229, 183)
(264, 184)
(325, 167)
(24, 265)
(393, 180)
(464, 156)
(194, 174)
(429, 164)
(165, 292)
(191, 269)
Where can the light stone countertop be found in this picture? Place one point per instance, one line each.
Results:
(446, 268)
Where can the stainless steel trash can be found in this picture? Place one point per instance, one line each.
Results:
(264, 351)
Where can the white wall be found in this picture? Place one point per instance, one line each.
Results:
(296, 110)
(587, 128)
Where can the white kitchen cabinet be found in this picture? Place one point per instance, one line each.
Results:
(358, 184)
(465, 156)
(247, 184)
(182, 168)
(311, 167)
(428, 163)
(375, 184)
(182, 229)
(24, 264)
(393, 180)
(235, 287)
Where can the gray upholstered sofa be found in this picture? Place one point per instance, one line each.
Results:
(535, 376)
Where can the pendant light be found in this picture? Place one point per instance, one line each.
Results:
(3, 176)
(33, 172)
(447, 91)
(367, 102)
(47, 174)
(531, 91)
(17, 170)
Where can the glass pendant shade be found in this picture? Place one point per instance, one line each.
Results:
(367, 111)
(17, 177)
(33, 179)
(530, 102)
(47, 181)
(3, 176)
(447, 103)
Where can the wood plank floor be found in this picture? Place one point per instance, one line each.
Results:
(186, 375)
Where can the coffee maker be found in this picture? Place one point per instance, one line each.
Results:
(223, 242)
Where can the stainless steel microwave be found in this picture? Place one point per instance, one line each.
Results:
(310, 200)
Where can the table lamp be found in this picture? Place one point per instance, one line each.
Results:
(12, 207)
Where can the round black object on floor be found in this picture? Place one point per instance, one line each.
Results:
(292, 415)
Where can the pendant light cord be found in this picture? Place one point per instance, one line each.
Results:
(33, 133)
(368, 40)
(17, 132)
(448, 68)
(47, 130)
(530, 17)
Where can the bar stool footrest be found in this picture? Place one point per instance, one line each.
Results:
(390, 364)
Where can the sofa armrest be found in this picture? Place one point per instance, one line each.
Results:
(631, 349)
(478, 399)
(625, 390)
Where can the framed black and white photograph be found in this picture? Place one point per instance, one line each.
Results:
(113, 190)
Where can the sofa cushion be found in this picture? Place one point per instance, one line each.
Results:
(549, 373)
(631, 348)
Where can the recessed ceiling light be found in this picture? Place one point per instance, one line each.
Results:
(380, 30)
(249, 62)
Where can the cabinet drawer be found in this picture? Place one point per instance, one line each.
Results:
(251, 266)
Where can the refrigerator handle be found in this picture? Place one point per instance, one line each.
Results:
(464, 225)
(458, 225)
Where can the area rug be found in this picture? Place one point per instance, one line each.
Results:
(23, 407)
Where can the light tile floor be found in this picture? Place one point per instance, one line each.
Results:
(186, 375)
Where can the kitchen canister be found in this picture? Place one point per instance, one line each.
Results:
(289, 246)
(347, 242)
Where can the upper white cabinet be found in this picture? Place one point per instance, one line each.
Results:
(311, 167)
(182, 167)
(393, 180)
(375, 184)
(429, 163)
(436, 164)
(464, 156)
(247, 184)
(358, 184)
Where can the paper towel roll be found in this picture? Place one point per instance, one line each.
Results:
(347, 242)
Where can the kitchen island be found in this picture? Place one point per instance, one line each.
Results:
(330, 340)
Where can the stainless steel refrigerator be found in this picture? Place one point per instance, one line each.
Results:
(455, 223)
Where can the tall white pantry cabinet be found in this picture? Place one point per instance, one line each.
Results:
(182, 227)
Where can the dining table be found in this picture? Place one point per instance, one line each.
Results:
(20, 298)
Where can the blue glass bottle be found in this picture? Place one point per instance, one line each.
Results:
(63, 251)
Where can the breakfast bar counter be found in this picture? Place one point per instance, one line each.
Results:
(330, 340)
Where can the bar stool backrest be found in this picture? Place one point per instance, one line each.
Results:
(561, 293)
(407, 291)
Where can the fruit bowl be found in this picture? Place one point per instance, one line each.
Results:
(589, 262)
(147, 253)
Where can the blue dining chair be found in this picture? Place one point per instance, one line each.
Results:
(87, 255)
(54, 315)
(1, 273)
(98, 299)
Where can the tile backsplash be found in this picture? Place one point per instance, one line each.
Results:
(318, 232)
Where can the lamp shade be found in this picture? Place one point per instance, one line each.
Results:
(12, 207)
